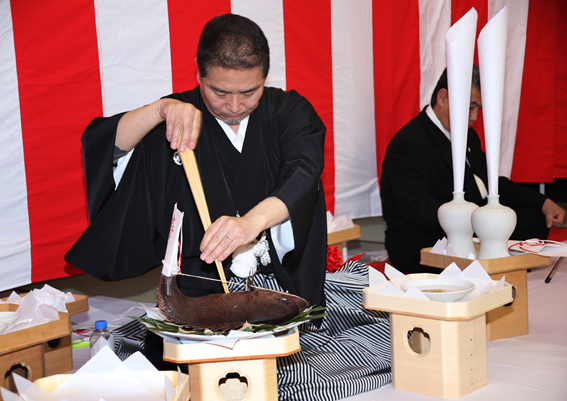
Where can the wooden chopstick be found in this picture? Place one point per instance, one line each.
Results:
(192, 171)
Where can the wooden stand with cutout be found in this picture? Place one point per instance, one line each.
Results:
(509, 320)
(340, 238)
(438, 348)
(41, 350)
(249, 368)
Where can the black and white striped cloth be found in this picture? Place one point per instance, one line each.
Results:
(349, 354)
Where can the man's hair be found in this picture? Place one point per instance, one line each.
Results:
(442, 83)
(235, 42)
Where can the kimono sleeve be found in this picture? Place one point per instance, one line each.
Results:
(121, 240)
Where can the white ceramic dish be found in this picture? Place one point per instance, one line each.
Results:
(9, 317)
(441, 289)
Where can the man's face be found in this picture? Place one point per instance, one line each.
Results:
(232, 95)
(476, 105)
(442, 107)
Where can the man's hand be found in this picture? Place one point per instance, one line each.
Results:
(182, 120)
(225, 235)
(228, 233)
(554, 214)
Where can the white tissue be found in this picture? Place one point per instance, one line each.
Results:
(32, 313)
(338, 223)
(244, 262)
(46, 295)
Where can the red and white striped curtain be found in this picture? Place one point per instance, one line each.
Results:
(367, 66)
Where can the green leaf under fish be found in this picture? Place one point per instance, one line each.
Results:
(170, 327)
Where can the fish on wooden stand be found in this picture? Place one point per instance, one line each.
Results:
(226, 311)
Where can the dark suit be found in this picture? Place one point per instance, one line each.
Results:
(417, 178)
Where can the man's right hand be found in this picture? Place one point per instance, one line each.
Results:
(182, 120)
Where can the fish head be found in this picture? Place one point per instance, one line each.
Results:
(280, 306)
(290, 299)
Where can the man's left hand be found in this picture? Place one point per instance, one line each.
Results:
(225, 235)
(228, 233)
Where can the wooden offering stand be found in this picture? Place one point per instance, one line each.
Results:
(438, 348)
(340, 238)
(510, 320)
(41, 350)
(249, 368)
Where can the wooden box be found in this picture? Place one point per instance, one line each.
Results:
(58, 353)
(512, 319)
(438, 348)
(39, 351)
(249, 368)
(50, 383)
(339, 238)
(23, 351)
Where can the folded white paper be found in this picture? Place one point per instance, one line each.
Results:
(104, 377)
(474, 273)
(33, 309)
(171, 261)
(338, 223)
(46, 295)
(442, 247)
(459, 41)
(376, 279)
(540, 247)
(492, 63)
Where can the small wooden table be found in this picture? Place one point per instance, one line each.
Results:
(510, 320)
(251, 364)
(340, 238)
(438, 348)
(39, 351)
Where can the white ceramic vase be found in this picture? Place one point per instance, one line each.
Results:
(493, 224)
(455, 219)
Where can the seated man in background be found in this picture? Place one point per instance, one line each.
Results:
(417, 178)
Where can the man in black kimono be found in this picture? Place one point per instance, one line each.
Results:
(260, 155)
(417, 178)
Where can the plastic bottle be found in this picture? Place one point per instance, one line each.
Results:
(101, 332)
